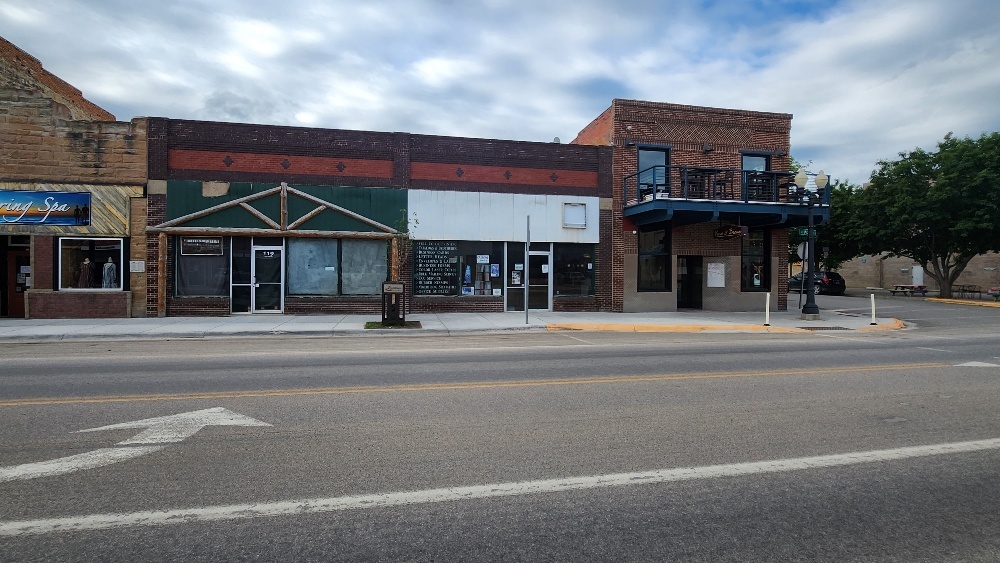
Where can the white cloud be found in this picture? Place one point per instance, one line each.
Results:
(864, 79)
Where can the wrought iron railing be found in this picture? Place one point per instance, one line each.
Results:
(717, 184)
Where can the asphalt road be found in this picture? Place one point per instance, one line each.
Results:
(835, 446)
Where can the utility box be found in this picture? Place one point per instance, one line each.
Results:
(393, 304)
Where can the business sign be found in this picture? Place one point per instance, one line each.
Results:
(204, 246)
(45, 208)
(730, 231)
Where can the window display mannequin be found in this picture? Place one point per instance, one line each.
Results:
(86, 273)
(110, 279)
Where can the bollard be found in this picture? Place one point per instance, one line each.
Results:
(873, 310)
(767, 309)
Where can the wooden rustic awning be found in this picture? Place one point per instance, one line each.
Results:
(281, 228)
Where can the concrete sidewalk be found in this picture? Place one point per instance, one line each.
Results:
(22, 330)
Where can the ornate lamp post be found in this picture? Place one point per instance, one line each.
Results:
(809, 198)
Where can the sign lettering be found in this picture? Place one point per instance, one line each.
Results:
(45, 208)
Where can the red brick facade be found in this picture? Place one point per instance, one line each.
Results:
(226, 152)
(688, 131)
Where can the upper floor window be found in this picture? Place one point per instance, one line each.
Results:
(756, 162)
(652, 164)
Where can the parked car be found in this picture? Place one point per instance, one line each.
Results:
(830, 283)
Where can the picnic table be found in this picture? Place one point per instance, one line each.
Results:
(967, 290)
(909, 289)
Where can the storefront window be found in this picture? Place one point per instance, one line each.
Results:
(90, 263)
(654, 258)
(312, 266)
(756, 267)
(202, 265)
(364, 266)
(573, 266)
(457, 268)
(479, 268)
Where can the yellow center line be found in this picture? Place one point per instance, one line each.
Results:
(453, 386)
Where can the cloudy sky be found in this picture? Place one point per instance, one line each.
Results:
(865, 79)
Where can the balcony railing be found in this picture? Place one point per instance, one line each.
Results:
(713, 184)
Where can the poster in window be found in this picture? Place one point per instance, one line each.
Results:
(482, 258)
(494, 270)
(515, 278)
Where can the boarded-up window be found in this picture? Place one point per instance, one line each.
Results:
(364, 266)
(312, 266)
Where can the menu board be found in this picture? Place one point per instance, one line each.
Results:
(434, 268)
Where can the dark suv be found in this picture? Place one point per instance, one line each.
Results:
(830, 283)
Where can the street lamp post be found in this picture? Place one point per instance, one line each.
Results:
(810, 311)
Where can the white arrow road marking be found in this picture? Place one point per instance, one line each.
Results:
(159, 430)
(88, 460)
(977, 365)
(176, 427)
(383, 500)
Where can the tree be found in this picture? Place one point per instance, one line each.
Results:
(834, 243)
(938, 208)
(835, 237)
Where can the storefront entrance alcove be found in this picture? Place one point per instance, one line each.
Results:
(17, 277)
(258, 275)
(538, 277)
(689, 282)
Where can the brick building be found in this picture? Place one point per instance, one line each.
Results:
(268, 219)
(72, 211)
(702, 203)
(653, 207)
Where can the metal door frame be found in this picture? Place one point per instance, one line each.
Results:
(527, 283)
(253, 280)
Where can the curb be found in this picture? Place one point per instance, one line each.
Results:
(669, 328)
(995, 304)
(896, 324)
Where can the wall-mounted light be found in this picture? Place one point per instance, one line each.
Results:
(707, 147)
(781, 153)
(629, 143)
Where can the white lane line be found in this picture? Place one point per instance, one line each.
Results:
(932, 349)
(87, 460)
(382, 500)
(577, 339)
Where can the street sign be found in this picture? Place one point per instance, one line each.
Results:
(802, 250)
(803, 231)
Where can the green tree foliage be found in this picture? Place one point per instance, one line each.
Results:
(834, 244)
(938, 208)
(835, 236)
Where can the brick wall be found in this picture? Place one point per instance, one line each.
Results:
(137, 250)
(47, 304)
(40, 144)
(156, 213)
(21, 71)
(43, 251)
(440, 304)
(879, 271)
(686, 129)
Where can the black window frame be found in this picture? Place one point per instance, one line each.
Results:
(661, 182)
(746, 273)
(662, 251)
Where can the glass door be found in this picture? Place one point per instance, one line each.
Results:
(540, 280)
(268, 276)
